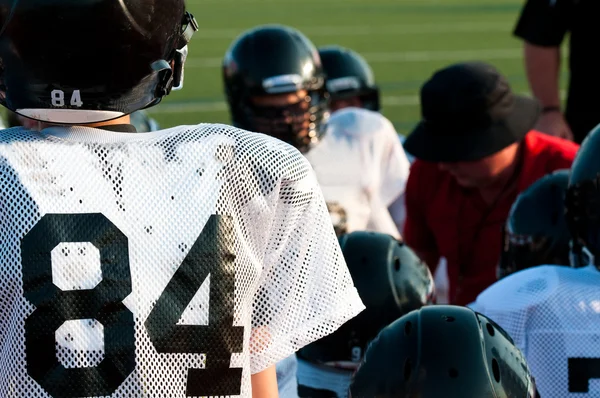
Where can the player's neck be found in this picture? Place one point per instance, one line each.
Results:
(506, 182)
(122, 120)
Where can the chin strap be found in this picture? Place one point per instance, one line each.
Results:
(172, 77)
(189, 27)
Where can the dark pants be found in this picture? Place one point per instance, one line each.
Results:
(307, 392)
(581, 124)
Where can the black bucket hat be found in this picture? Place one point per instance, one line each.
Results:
(469, 112)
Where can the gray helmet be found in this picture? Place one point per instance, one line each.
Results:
(443, 351)
(391, 281)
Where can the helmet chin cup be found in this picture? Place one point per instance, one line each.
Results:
(178, 72)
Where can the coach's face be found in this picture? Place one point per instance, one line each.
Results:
(483, 172)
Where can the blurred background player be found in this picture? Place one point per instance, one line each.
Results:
(350, 79)
(552, 311)
(108, 235)
(443, 351)
(351, 83)
(275, 84)
(536, 232)
(391, 281)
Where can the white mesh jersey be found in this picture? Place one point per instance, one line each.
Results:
(362, 169)
(553, 314)
(167, 264)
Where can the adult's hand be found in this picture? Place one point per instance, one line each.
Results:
(554, 123)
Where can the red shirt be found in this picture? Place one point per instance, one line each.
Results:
(443, 217)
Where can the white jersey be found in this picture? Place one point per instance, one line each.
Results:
(167, 264)
(553, 314)
(361, 168)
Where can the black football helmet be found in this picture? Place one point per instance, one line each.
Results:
(536, 231)
(443, 351)
(349, 75)
(89, 61)
(391, 281)
(583, 197)
(273, 60)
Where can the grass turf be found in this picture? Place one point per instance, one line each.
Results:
(404, 40)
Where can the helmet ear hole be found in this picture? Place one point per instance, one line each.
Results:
(407, 369)
(397, 264)
(407, 328)
(490, 329)
(496, 370)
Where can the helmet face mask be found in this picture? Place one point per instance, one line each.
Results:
(290, 117)
(536, 232)
(525, 251)
(273, 61)
(82, 78)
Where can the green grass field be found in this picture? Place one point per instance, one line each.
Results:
(405, 41)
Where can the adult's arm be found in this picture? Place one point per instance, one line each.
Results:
(542, 26)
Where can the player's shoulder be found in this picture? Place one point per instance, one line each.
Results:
(15, 137)
(257, 151)
(360, 123)
(17, 134)
(523, 289)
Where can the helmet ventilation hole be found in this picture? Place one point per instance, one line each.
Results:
(453, 373)
(490, 329)
(407, 369)
(397, 264)
(448, 318)
(496, 370)
(407, 328)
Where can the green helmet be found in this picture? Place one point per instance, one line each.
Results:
(443, 351)
(391, 281)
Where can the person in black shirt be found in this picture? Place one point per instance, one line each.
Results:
(543, 25)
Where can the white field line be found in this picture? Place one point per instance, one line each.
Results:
(365, 30)
(221, 106)
(401, 57)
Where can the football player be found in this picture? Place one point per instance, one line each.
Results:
(391, 281)
(551, 311)
(350, 79)
(275, 84)
(536, 231)
(443, 351)
(181, 262)
(351, 83)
